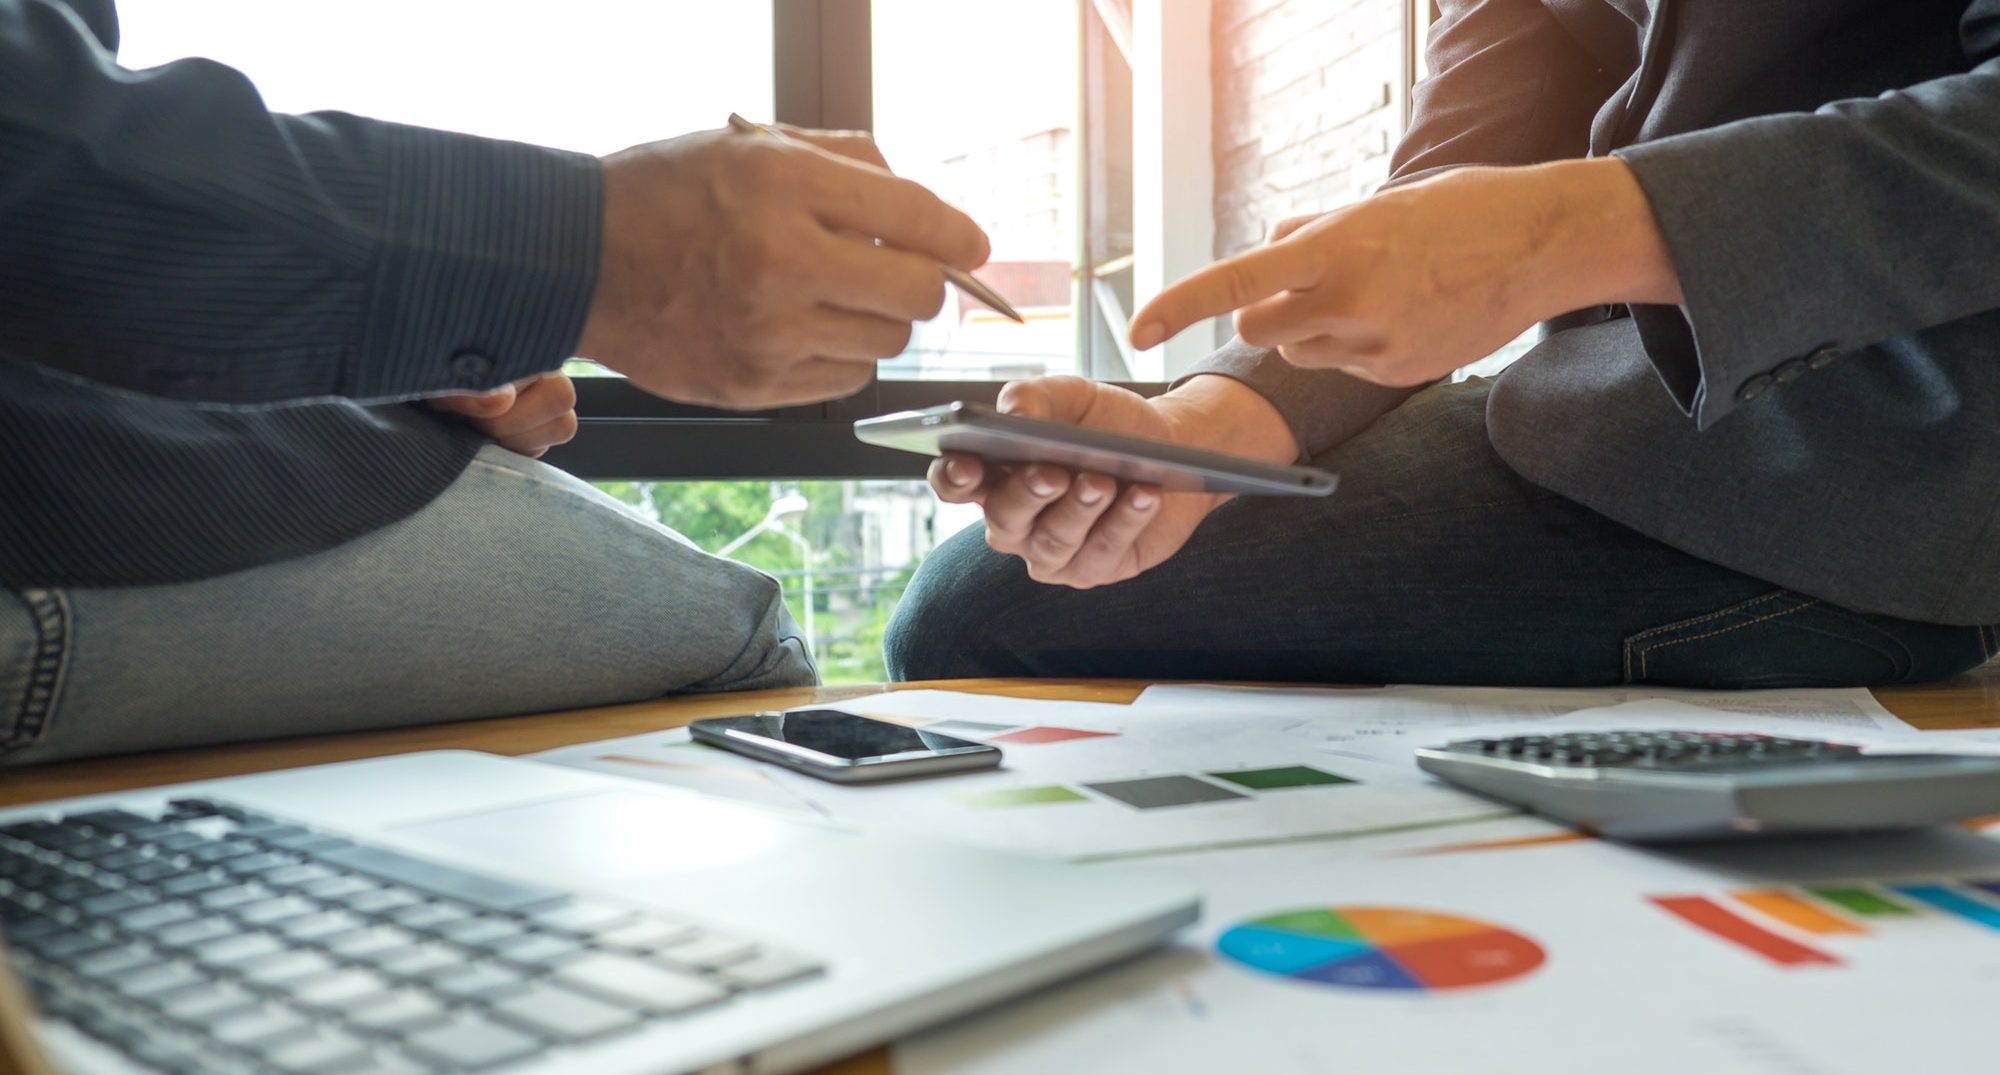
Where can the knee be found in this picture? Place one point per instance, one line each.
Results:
(942, 629)
(774, 654)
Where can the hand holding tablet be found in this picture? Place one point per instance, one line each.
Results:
(1089, 483)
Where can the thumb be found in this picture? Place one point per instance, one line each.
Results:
(478, 404)
(1060, 398)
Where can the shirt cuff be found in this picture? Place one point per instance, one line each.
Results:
(1323, 407)
(488, 266)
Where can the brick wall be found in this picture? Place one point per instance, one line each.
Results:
(1307, 105)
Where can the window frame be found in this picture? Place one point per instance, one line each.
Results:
(629, 435)
(823, 77)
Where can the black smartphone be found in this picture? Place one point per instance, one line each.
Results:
(977, 429)
(844, 747)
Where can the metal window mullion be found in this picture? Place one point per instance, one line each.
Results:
(1116, 321)
(822, 66)
(1080, 297)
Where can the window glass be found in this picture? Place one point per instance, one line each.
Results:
(843, 551)
(979, 104)
(588, 75)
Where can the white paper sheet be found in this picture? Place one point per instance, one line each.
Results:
(1385, 725)
(1390, 706)
(1622, 984)
(1071, 793)
(1070, 786)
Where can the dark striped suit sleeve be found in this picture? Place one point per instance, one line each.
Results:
(162, 231)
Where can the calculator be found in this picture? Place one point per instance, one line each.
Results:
(1681, 785)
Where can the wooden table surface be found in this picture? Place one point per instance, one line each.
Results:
(1968, 701)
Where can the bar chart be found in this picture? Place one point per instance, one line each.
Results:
(1807, 925)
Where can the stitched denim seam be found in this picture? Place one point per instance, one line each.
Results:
(50, 613)
(1646, 651)
(1905, 665)
(1682, 625)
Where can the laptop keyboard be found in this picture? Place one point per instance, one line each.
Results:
(211, 940)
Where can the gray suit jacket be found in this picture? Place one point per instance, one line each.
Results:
(1824, 412)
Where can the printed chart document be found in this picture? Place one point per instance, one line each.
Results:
(1386, 725)
(1083, 781)
(1514, 955)
(1363, 918)
(1206, 768)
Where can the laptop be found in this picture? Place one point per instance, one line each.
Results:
(453, 911)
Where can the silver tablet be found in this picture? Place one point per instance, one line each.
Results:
(977, 429)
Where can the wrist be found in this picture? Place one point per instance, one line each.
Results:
(1608, 246)
(1225, 415)
(486, 267)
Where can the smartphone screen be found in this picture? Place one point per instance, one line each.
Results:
(844, 735)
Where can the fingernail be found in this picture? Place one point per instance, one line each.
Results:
(1147, 335)
(1142, 500)
(1041, 485)
(1089, 493)
(954, 472)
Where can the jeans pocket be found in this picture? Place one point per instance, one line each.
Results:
(34, 655)
(1782, 639)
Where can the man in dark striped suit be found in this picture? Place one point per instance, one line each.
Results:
(226, 509)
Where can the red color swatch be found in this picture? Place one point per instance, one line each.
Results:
(1709, 915)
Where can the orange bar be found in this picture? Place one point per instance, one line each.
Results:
(1504, 845)
(1793, 911)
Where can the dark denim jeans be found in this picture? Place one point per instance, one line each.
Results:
(1433, 563)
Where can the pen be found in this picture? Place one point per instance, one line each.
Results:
(966, 281)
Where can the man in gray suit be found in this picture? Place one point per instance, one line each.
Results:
(1758, 445)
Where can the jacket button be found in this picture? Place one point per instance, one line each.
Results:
(1822, 357)
(471, 366)
(1754, 387)
(1787, 372)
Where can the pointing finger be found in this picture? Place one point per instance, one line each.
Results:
(1227, 285)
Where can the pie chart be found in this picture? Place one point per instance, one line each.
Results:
(1398, 948)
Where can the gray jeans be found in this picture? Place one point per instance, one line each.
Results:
(520, 590)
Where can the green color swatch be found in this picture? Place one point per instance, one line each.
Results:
(1006, 797)
(1287, 776)
(1861, 901)
(1317, 922)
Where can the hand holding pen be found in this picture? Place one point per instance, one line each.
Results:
(963, 280)
(762, 272)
